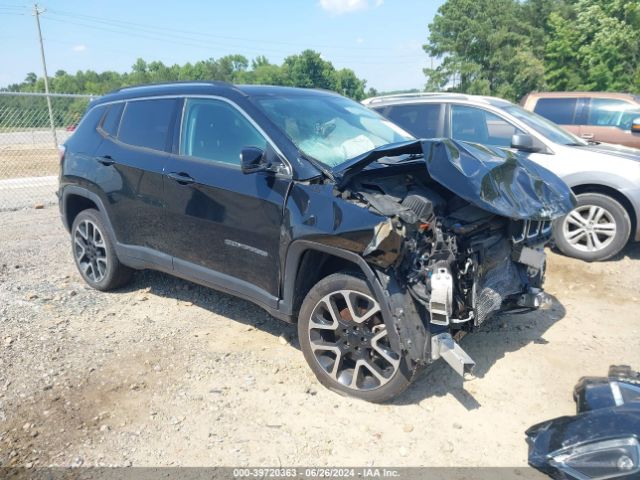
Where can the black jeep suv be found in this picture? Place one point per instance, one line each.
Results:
(384, 248)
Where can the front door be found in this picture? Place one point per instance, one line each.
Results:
(221, 223)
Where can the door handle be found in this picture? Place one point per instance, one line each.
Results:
(181, 178)
(106, 160)
(587, 136)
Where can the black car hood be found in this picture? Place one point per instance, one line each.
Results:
(501, 182)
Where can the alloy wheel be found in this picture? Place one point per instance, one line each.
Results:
(90, 250)
(349, 340)
(589, 228)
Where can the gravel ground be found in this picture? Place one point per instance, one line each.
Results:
(166, 372)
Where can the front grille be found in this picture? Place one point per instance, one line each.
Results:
(530, 231)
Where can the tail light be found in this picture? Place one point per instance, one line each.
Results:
(61, 152)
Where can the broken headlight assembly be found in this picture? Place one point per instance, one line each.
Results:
(616, 458)
(602, 440)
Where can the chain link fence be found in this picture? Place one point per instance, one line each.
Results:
(29, 160)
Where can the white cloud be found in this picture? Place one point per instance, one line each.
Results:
(359, 40)
(339, 7)
(79, 48)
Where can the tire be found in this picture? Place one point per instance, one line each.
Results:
(597, 229)
(94, 254)
(328, 331)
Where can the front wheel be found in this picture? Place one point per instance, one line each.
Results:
(597, 229)
(345, 341)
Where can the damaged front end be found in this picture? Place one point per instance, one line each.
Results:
(464, 237)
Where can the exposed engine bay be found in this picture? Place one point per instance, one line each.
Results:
(462, 263)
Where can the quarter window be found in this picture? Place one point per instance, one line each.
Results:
(559, 110)
(147, 123)
(215, 130)
(469, 124)
(605, 112)
(111, 120)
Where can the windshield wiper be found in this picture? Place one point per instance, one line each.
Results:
(318, 165)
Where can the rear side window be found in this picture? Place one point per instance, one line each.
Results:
(147, 123)
(559, 110)
(470, 124)
(111, 120)
(422, 121)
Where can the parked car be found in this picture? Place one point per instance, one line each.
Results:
(598, 116)
(318, 210)
(605, 178)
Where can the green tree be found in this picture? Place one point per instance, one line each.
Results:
(596, 46)
(485, 48)
(308, 69)
(349, 85)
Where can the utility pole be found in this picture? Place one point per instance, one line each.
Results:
(37, 11)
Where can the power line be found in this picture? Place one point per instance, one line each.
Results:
(161, 33)
(162, 30)
(181, 40)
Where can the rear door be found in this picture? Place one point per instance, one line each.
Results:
(563, 111)
(609, 120)
(221, 224)
(137, 141)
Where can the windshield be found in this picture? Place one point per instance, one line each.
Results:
(543, 126)
(330, 129)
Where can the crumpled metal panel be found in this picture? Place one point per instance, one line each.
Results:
(502, 182)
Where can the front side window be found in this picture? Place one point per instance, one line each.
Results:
(147, 123)
(470, 124)
(605, 112)
(215, 130)
(540, 124)
(422, 120)
(559, 110)
(328, 128)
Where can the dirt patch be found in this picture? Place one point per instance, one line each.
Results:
(166, 372)
(28, 161)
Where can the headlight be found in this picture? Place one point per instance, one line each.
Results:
(599, 460)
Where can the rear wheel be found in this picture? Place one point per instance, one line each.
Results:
(94, 254)
(346, 343)
(597, 229)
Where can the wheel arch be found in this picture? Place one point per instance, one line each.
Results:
(406, 330)
(75, 199)
(308, 262)
(613, 193)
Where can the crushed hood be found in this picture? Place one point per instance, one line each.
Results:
(501, 182)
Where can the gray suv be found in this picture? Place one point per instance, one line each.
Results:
(605, 178)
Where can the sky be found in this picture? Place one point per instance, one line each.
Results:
(381, 40)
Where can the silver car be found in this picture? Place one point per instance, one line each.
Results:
(605, 178)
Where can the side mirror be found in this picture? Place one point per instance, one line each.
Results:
(635, 125)
(524, 142)
(252, 160)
